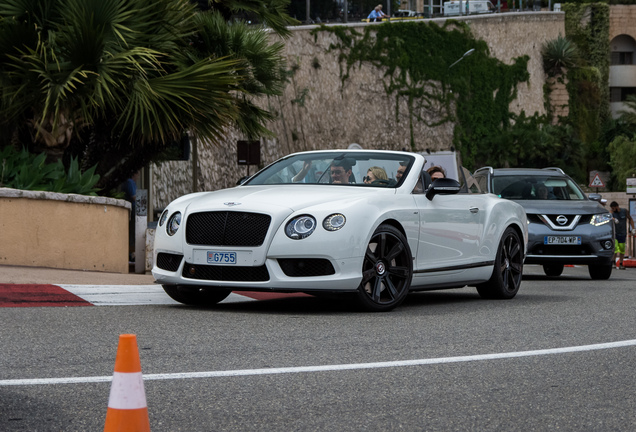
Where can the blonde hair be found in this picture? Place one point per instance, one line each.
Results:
(378, 173)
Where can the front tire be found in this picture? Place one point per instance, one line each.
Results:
(387, 270)
(506, 275)
(600, 272)
(196, 296)
(553, 269)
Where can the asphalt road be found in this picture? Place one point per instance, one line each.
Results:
(479, 365)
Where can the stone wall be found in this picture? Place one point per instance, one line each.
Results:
(622, 20)
(318, 112)
(66, 231)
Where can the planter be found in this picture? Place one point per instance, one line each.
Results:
(66, 231)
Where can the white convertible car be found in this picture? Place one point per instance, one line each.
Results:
(340, 221)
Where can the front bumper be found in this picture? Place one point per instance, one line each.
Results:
(283, 274)
(596, 248)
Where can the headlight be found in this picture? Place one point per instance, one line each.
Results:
(300, 227)
(173, 224)
(334, 222)
(601, 219)
(164, 216)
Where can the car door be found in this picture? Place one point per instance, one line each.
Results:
(451, 231)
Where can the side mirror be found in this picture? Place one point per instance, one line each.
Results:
(595, 197)
(443, 186)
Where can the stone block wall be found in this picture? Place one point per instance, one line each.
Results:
(318, 112)
(622, 20)
(65, 231)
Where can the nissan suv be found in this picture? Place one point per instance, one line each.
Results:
(564, 225)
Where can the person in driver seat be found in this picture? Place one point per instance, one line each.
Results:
(341, 171)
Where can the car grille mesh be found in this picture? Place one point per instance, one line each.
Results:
(300, 267)
(225, 228)
(226, 273)
(168, 261)
(570, 250)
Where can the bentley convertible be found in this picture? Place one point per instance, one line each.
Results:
(368, 223)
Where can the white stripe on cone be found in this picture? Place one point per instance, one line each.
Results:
(127, 391)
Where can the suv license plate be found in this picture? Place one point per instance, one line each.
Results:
(221, 257)
(562, 240)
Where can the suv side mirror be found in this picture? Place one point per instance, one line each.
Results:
(595, 197)
(443, 186)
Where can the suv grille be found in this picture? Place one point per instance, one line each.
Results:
(225, 228)
(560, 250)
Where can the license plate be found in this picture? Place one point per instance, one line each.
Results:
(562, 240)
(221, 257)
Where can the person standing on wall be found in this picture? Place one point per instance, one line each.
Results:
(621, 217)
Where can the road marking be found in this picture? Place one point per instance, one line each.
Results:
(327, 368)
(32, 295)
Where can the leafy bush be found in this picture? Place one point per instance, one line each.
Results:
(23, 170)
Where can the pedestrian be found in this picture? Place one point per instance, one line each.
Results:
(375, 15)
(621, 217)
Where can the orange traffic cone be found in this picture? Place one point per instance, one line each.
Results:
(127, 409)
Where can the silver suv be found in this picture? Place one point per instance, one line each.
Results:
(564, 225)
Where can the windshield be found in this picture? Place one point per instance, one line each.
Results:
(366, 169)
(535, 187)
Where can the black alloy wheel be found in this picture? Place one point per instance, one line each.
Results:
(506, 276)
(387, 270)
(196, 296)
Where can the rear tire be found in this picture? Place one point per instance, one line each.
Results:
(553, 269)
(600, 272)
(196, 296)
(506, 275)
(387, 270)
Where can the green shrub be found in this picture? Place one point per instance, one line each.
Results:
(26, 171)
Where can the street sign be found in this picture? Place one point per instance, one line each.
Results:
(631, 185)
(597, 182)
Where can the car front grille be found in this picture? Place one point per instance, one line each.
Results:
(300, 267)
(226, 228)
(168, 261)
(570, 250)
(226, 273)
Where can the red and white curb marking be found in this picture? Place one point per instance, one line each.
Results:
(39, 295)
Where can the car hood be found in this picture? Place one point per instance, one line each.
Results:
(292, 197)
(562, 207)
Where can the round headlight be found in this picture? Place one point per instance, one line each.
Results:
(174, 223)
(300, 227)
(164, 216)
(334, 222)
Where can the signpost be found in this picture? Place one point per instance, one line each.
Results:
(597, 182)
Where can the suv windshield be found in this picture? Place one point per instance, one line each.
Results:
(535, 187)
(341, 168)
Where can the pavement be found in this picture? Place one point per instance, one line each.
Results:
(41, 275)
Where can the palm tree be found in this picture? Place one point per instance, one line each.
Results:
(119, 81)
(559, 55)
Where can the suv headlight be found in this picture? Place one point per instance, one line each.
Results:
(300, 227)
(601, 219)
